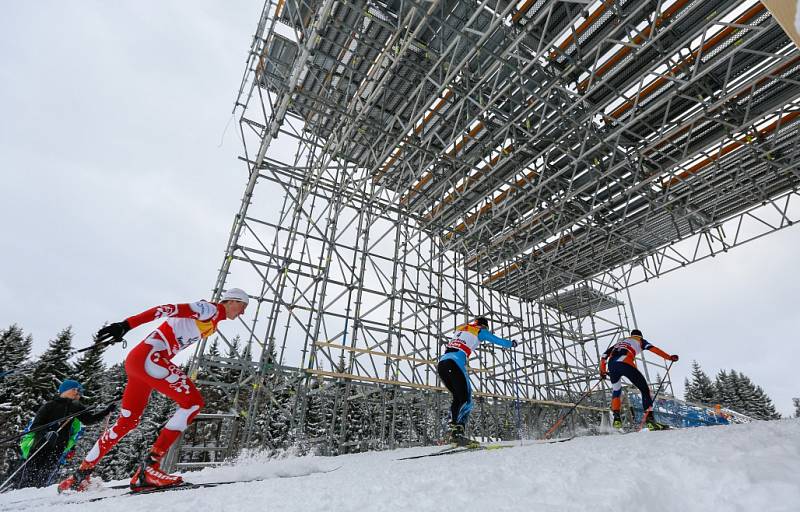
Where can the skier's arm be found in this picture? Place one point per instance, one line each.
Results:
(90, 416)
(657, 351)
(603, 370)
(485, 335)
(201, 310)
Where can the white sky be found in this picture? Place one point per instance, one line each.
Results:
(116, 196)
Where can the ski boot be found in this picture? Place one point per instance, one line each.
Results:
(148, 475)
(617, 420)
(651, 424)
(459, 438)
(78, 481)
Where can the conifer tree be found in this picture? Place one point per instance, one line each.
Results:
(214, 395)
(747, 398)
(766, 409)
(52, 368)
(737, 392)
(700, 389)
(89, 370)
(796, 402)
(725, 386)
(15, 349)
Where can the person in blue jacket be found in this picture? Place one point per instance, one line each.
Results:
(452, 370)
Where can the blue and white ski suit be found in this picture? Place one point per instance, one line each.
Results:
(452, 366)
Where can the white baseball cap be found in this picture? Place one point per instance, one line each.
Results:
(236, 294)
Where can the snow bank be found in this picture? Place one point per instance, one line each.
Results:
(753, 467)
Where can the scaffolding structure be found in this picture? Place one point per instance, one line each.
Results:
(412, 164)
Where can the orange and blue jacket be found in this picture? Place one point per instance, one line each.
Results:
(626, 350)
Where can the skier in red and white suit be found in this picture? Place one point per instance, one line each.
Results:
(149, 366)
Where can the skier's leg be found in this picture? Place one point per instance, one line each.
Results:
(638, 380)
(616, 390)
(180, 388)
(134, 400)
(452, 378)
(615, 374)
(465, 395)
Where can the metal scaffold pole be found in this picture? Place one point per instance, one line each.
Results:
(413, 164)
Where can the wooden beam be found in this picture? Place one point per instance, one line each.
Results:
(785, 12)
(388, 355)
(362, 378)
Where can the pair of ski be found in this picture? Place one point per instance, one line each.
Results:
(178, 487)
(189, 485)
(452, 450)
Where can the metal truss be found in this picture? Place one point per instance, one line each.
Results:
(411, 164)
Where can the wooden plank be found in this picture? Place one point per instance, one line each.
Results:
(785, 12)
(324, 373)
(386, 355)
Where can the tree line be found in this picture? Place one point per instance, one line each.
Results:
(732, 390)
(338, 417)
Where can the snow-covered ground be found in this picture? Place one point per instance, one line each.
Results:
(752, 468)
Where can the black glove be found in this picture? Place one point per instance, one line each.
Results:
(603, 375)
(113, 332)
(514, 343)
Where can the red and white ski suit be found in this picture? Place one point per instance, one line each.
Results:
(149, 366)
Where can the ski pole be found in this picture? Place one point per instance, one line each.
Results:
(27, 366)
(562, 418)
(660, 384)
(21, 466)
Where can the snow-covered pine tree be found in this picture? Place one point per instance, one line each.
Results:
(89, 370)
(747, 396)
(52, 368)
(319, 415)
(15, 348)
(766, 409)
(796, 403)
(689, 393)
(274, 416)
(725, 386)
(357, 423)
(15, 413)
(700, 389)
(213, 395)
(737, 392)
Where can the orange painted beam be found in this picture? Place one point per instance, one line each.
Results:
(742, 141)
(470, 181)
(750, 87)
(429, 176)
(594, 16)
(650, 89)
(638, 39)
(516, 266)
(417, 129)
(522, 10)
(497, 200)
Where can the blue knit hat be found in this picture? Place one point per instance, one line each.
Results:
(70, 384)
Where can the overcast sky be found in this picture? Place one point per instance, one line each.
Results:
(116, 195)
